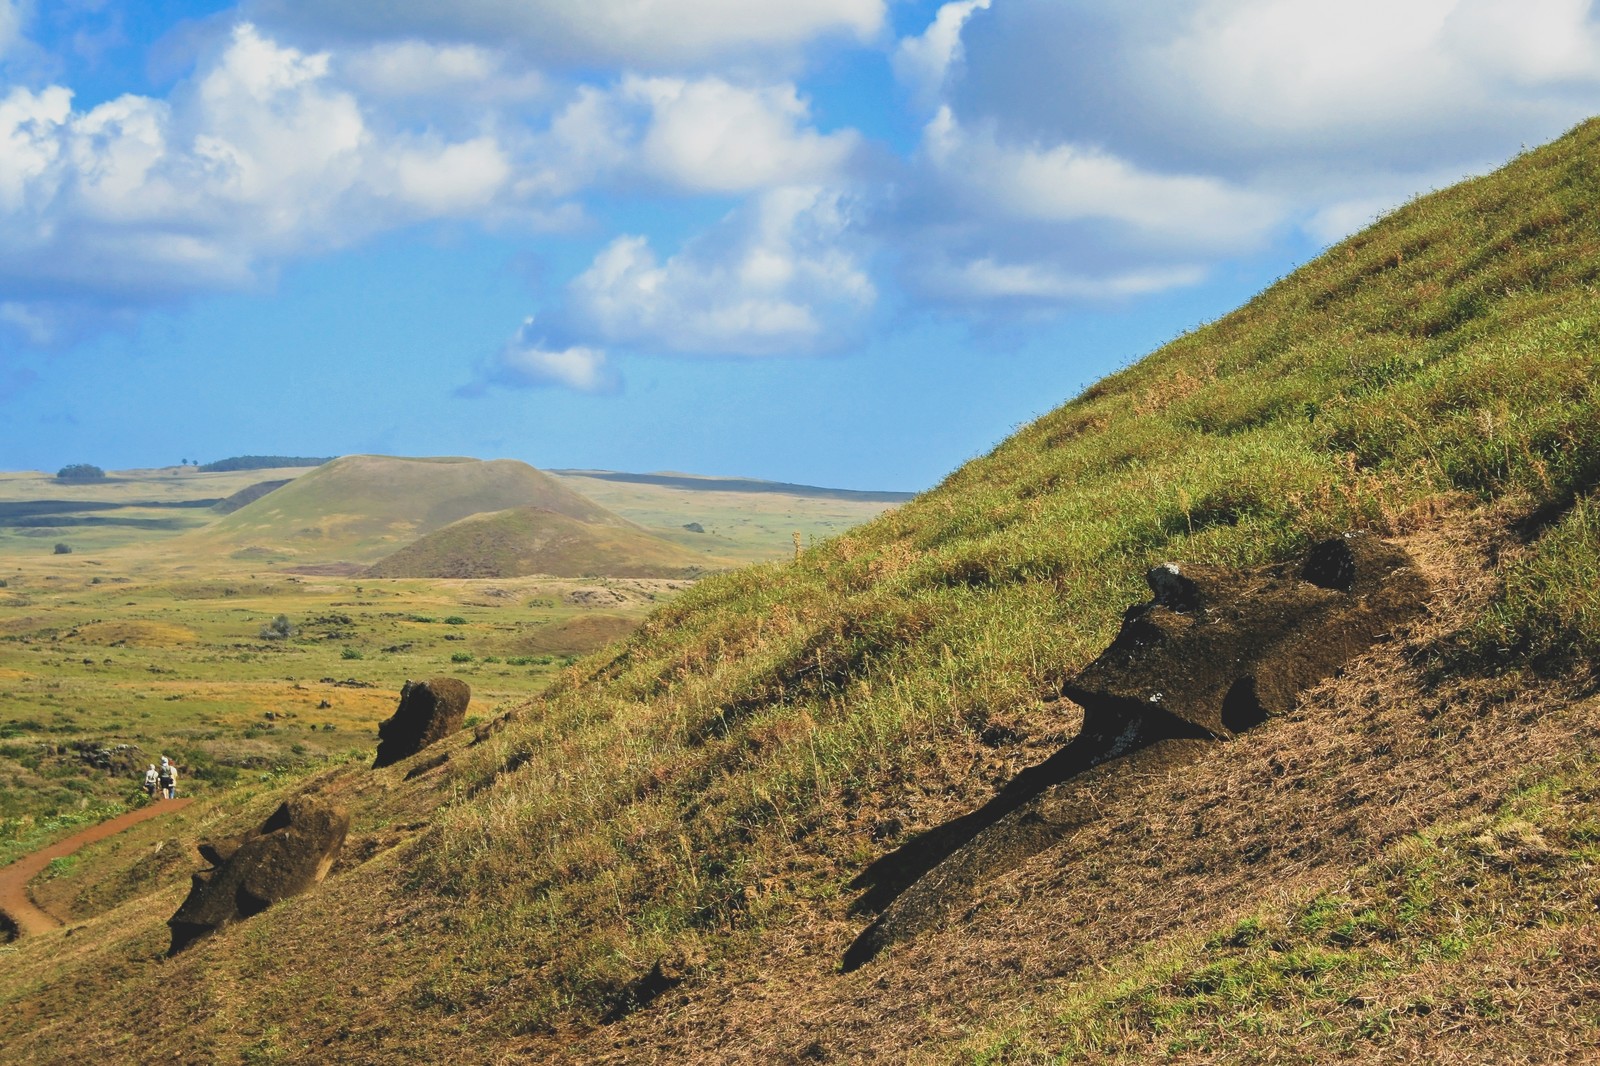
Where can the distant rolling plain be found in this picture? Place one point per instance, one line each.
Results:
(128, 617)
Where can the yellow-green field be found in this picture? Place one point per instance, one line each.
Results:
(181, 663)
(747, 527)
(143, 634)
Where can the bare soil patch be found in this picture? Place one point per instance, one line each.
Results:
(18, 908)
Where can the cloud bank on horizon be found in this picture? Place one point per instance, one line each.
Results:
(985, 159)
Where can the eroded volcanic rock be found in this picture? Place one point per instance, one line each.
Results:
(1223, 649)
(287, 854)
(429, 710)
(1214, 652)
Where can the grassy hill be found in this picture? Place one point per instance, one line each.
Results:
(521, 541)
(361, 507)
(663, 857)
(742, 519)
(126, 508)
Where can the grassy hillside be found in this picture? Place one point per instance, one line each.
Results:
(738, 518)
(362, 507)
(521, 541)
(126, 508)
(659, 857)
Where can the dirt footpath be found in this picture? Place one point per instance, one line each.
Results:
(18, 907)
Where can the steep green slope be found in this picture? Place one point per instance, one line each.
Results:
(361, 507)
(682, 816)
(1449, 349)
(533, 540)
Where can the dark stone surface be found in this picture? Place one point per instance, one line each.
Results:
(1214, 652)
(429, 711)
(118, 759)
(287, 854)
(1224, 649)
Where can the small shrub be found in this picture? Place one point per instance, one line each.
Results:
(461, 657)
(80, 472)
(351, 653)
(63, 548)
(280, 628)
(455, 620)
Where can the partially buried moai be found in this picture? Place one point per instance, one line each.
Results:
(429, 711)
(284, 856)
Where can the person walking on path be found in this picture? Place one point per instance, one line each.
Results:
(151, 780)
(168, 779)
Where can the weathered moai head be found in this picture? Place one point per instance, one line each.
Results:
(429, 711)
(286, 855)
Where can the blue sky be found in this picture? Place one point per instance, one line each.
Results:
(844, 242)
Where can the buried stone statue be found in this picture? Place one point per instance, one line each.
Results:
(287, 854)
(1214, 652)
(429, 711)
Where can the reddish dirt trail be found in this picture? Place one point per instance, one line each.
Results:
(15, 903)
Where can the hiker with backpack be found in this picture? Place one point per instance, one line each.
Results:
(168, 779)
(151, 781)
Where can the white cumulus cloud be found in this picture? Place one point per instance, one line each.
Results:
(704, 135)
(13, 16)
(447, 179)
(1271, 91)
(923, 62)
(774, 278)
(984, 279)
(528, 361)
(779, 276)
(1068, 182)
(708, 135)
(423, 69)
(261, 156)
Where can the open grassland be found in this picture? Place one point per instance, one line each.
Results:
(144, 636)
(658, 857)
(743, 526)
(186, 662)
(128, 507)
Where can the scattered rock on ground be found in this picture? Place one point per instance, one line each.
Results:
(286, 855)
(429, 711)
(494, 725)
(117, 758)
(596, 597)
